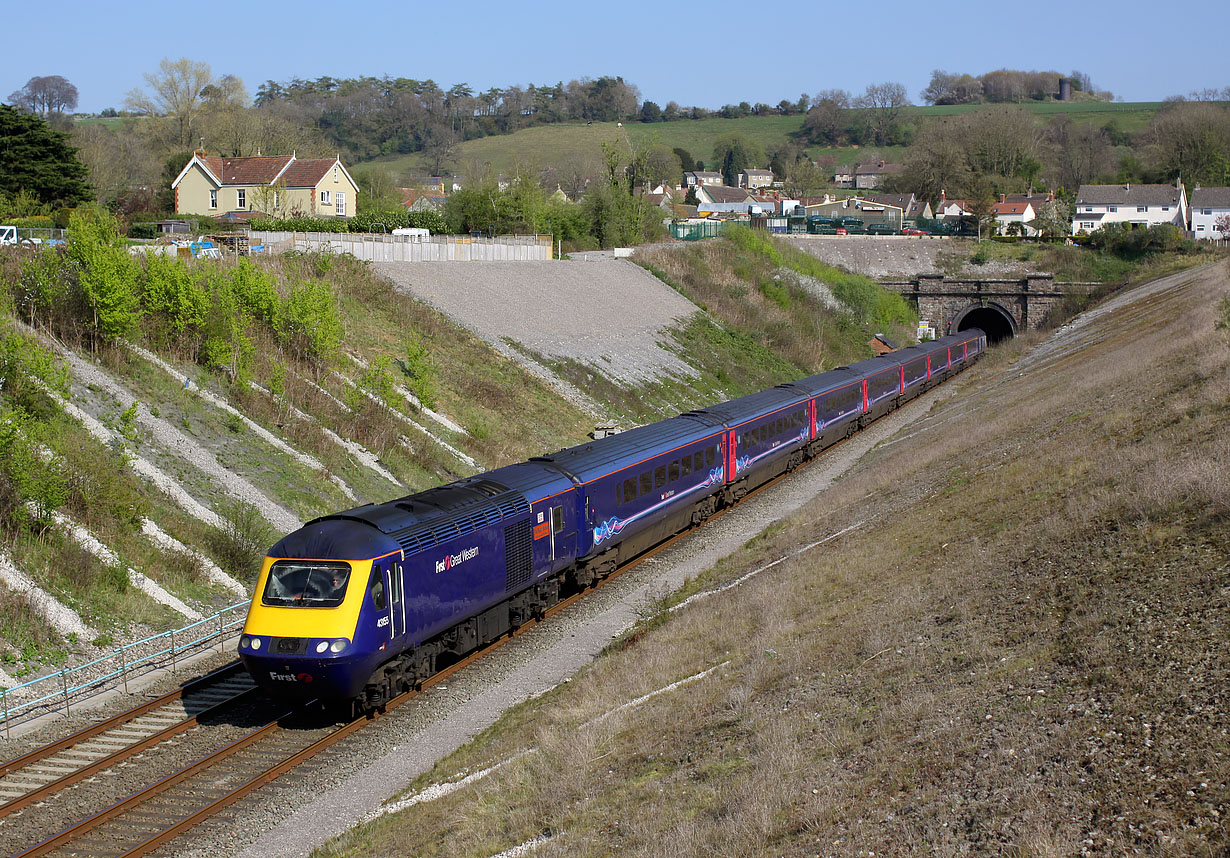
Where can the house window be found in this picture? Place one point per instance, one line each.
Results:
(1088, 208)
(334, 172)
(340, 201)
(1165, 208)
(1112, 208)
(241, 198)
(277, 199)
(213, 199)
(324, 198)
(1200, 228)
(1142, 208)
(1207, 211)
(1086, 226)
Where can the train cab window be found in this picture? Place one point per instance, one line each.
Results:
(646, 483)
(659, 476)
(630, 490)
(376, 588)
(686, 464)
(557, 519)
(673, 476)
(306, 584)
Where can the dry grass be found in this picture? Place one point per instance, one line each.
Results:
(1023, 652)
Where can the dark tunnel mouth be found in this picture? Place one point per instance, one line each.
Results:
(994, 322)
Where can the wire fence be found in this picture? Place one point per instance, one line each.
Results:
(118, 667)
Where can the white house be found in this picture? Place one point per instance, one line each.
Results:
(1015, 211)
(1209, 205)
(1137, 205)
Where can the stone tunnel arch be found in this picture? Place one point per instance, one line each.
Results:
(996, 322)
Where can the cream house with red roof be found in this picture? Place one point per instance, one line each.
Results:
(281, 186)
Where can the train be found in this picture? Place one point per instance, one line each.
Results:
(362, 605)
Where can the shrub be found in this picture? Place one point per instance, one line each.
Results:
(312, 327)
(172, 294)
(301, 224)
(142, 230)
(242, 540)
(107, 273)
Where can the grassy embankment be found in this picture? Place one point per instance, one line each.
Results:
(49, 458)
(560, 145)
(1020, 650)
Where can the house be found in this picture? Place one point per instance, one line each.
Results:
(1136, 205)
(1211, 206)
(1015, 212)
(751, 179)
(867, 176)
(695, 178)
(948, 209)
(844, 177)
(422, 201)
(280, 186)
(912, 207)
(434, 184)
(721, 194)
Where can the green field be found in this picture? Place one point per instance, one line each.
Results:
(561, 145)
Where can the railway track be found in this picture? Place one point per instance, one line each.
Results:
(149, 819)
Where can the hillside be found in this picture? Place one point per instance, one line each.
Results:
(564, 145)
(1011, 642)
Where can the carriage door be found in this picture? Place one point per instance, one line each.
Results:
(397, 600)
(557, 526)
(731, 453)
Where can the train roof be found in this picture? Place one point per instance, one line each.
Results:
(586, 462)
(424, 519)
(821, 382)
(753, 405)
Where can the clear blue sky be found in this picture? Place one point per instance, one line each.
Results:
(706, 53)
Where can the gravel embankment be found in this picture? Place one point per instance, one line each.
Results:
(608, 314)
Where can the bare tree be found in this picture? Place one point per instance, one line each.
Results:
(47, 95)
(883, 102)
(176, 90)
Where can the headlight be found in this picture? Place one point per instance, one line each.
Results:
(255, 643)
(244, 640)
(338, 645)
(322, 646)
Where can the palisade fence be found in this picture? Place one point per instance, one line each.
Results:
(411, 248)
(117, 667)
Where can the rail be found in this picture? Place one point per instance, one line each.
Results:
(121, 664)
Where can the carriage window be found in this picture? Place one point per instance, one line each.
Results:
(764, 434)
(686, 462)
(306, 583)
(710, 457)
(674, 471)
(646, 483)
(376, 588)
(629, 489)
(659, 476)
(698, 460)
(781, 426)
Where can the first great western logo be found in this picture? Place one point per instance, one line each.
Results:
(451, 560)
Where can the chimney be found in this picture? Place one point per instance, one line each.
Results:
(1127, 186)
(1003, 198)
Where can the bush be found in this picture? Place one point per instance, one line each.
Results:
(142, 230)
(243, 539)
(1130, 243)
(301, 224)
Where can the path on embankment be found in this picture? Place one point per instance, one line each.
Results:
(606, 314)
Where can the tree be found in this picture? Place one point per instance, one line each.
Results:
(1222, 225)
(946, 88)
(662, 166)
(650, 112)
(883, 103)
(733, 153)
(1192, 141)
(1075, 154)
(39, 161)
(685, 160)
(827, 119)
(47, 95)
(176, 91)
(439, 148)
(937, 163)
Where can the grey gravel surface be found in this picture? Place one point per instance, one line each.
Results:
(605, 313)
(356, 780)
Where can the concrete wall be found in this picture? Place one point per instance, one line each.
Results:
(398, 248)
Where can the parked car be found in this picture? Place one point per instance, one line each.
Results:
(912, 231)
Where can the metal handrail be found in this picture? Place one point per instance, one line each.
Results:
(180, 640)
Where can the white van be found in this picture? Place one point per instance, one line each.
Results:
(8, 235)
